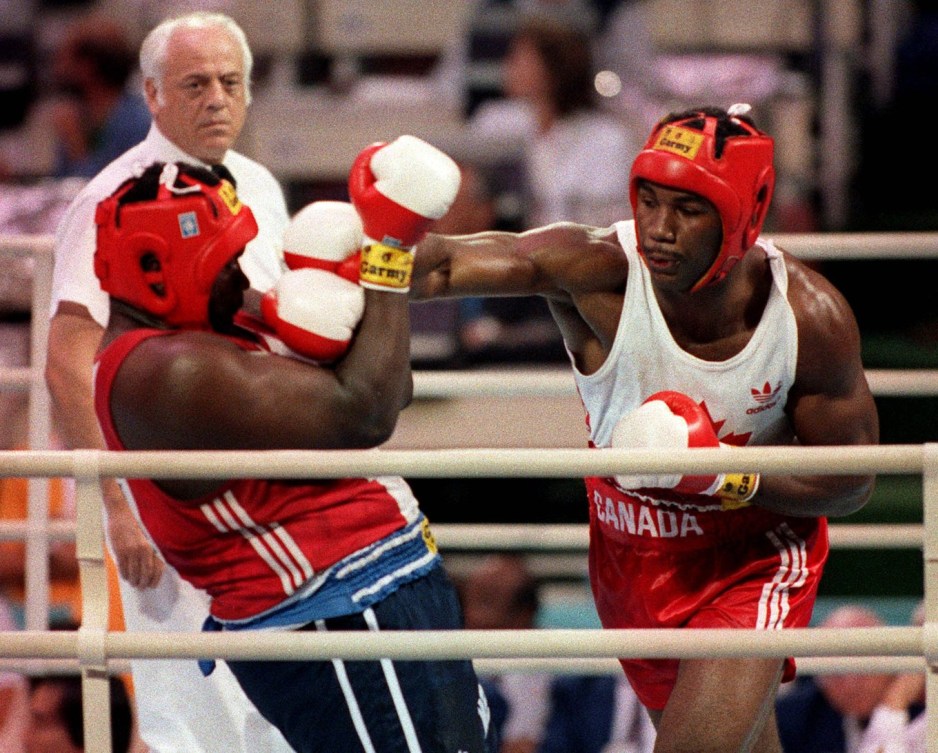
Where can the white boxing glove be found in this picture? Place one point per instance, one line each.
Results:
(314, 312)
(325, 235)
(650, 426)
(670, 420)
(399, 189)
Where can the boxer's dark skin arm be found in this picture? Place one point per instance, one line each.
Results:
(582, 275)
(830, 402)
(206, 393)
(580, 270)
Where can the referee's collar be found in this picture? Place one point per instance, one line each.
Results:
(176, 154)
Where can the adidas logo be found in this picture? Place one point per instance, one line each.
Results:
(766, 394)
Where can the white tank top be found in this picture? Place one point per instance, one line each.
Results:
(745, 395)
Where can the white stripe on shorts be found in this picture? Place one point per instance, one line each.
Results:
(403, 713)
(394, 688)
(350, 700)
(791, 573)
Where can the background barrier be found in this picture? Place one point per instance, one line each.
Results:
(95, 652)
(94, 646)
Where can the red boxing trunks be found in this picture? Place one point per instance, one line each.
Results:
(653, 566)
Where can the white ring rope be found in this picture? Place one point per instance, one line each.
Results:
(474, 644)
(558, 382)
(575, 537)
(252, 645)
(893, 647)
(474, 463)
(871, 246)
(809, 665)
(26, 245)
(15, 379)
(552, 383)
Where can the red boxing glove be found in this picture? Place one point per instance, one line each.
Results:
(314, 312)
(325, 235)
(399, 189)
(672, 420)
(700, 433)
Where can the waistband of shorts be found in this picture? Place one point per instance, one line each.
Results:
(647, 523)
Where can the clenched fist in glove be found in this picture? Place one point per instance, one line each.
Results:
(325, 235)
(670, 420)
(316, 305)
(399, 189)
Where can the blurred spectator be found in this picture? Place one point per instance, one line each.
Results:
(474, 208)
(29, 209)
(596, 714)
(898, 723)
(64, 589)
(17, 62)
(14, 350)
(14, 695)
(541, 712)
(570, 159)
(576, 156)
(502, 594)
(97, 117)
(488, 330)
(24, 210)
(830, 713)
(55, 716)
(913, 84)
(470, 68)
(436, 336)
(626, 48)
(879, 207)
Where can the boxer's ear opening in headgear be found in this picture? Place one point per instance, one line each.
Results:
(719, 155)
(164, 235)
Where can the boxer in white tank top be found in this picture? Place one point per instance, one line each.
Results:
(685, 329)
(644, 356)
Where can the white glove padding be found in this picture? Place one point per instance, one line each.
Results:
(650, 426)
(323, 235)
(416, 175)
(314, 312)
(670, 420)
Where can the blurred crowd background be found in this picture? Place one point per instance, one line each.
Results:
(544, 103)
(842, 85)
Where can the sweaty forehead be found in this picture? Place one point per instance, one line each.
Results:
(209, 51)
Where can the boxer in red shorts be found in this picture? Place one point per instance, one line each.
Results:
(686, 328)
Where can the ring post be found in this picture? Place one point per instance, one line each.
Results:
(930, 556)
(92, 634)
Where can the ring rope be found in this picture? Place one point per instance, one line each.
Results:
(840, 246)
(547, 537)
(558, 382)
(575, 537)
(471, 463)
(415, 645)
(549, 383)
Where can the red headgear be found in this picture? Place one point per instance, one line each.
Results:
(191, 228)
(739, 182)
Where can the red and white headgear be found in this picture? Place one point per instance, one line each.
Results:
(192, 228)
(682, 154)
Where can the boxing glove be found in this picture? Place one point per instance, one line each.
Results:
(671, 420)
(325, 235)
(399, 189)
(314, 312)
